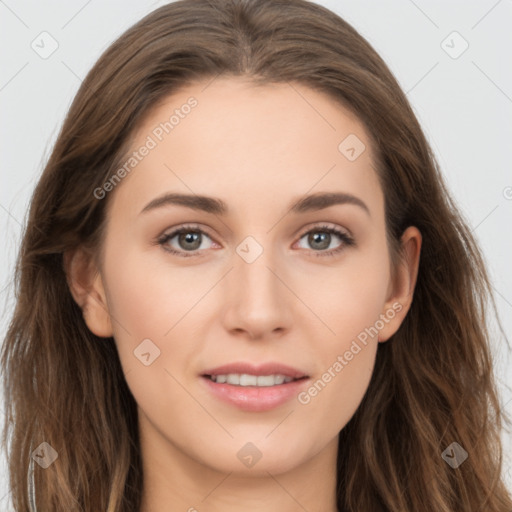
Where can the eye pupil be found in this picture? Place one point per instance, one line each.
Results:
(322, 238)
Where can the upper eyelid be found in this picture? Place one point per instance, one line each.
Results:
(325, 225)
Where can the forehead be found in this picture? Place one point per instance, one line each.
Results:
(229, 138)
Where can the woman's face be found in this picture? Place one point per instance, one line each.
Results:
(259, 176)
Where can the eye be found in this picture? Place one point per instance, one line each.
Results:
(320, 238)
(189, 239)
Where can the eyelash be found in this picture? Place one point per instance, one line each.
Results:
(344, 237)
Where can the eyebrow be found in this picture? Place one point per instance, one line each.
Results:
(216, 206)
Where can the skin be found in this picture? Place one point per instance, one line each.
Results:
(258, 149)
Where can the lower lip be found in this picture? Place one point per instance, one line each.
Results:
(256, 399)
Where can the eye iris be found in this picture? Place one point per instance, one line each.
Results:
(190, 237)
(313, 239)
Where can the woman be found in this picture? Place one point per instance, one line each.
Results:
(320, 345)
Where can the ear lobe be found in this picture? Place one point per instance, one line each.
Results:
(402, 288)
(86, 287)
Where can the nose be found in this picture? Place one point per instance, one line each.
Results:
(258, 302)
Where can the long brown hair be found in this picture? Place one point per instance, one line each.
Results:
(433, 382)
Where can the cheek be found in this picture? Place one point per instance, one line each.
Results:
(152, 300)
(335, 395)
(345, 359)
(148, 296)
(350, 303)
(350, 297)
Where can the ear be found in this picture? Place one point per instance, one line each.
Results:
(86, 287)
(401, 288)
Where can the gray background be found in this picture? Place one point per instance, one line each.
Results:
(464, 105)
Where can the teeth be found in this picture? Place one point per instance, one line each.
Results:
(248, 380)
(233, 379)
(244, 379)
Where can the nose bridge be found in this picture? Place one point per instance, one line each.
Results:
(257, 296)
(254, 269)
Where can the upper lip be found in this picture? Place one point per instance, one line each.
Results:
(272, 368)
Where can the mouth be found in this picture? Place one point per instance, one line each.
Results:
(255, 388)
